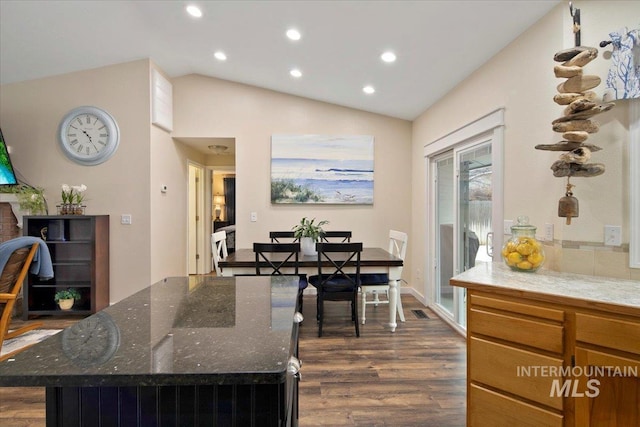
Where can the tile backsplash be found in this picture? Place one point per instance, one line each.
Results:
(594, 259)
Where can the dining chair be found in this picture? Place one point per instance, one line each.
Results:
(339, 236)
(275, 235)
(274, 265)
(340, 280)
(12, 277)
(374, 283)
(218, 249)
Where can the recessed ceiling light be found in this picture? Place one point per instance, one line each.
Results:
(194, 11)
(220, 55)
(388, 57)
(368, 90)
(295, 72)
(293, 34)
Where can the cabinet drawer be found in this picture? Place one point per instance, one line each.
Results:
(608, 332)
(491, 409)
(516, 307)
(503, 367)
(516, 329)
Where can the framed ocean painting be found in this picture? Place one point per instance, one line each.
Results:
(322, 169)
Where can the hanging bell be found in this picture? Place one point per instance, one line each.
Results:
(568, 206)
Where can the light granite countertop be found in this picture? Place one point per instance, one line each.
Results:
(553, 286)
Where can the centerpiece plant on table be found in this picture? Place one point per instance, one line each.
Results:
(308, 232)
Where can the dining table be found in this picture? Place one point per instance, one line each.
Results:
(372, 260)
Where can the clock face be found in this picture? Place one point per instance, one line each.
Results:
(88, 135)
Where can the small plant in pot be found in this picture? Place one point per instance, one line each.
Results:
(66, 297)
(308, 232)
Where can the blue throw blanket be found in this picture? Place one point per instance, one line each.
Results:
(41, 264)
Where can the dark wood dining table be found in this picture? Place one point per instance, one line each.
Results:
(372, 260)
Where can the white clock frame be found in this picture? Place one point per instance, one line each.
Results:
(113, 138)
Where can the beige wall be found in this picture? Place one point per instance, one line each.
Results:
(30, 113)
(208, 107)
(520, 78)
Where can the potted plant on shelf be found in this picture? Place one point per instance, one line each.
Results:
(308, 232)
(30, 199)
(66, 297)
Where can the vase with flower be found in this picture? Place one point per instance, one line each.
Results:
(72, 198)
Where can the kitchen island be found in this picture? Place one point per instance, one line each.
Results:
(184, 351)
(550, 348)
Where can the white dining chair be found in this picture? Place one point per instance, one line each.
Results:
(218, 249)
(375, 284)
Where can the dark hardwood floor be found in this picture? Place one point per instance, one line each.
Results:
(413, 377)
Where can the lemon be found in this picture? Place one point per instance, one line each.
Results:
(514, 258)
(535, 259)
(524, 265)
(525, 248)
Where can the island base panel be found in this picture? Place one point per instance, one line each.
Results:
(148, 406)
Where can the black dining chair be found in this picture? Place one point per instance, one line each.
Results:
(339, 281)
(275, 265)
(336, 236)
(275, 235)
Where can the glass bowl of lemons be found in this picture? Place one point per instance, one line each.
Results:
(523, 252)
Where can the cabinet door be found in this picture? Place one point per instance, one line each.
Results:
(611, 396)
(488, 408)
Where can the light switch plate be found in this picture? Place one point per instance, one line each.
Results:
(125, 219)
(548, 232)
(508, 223)
(612, 235)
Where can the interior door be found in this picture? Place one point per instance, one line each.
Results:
(195, 256)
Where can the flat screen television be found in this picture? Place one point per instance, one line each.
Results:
(7, 174)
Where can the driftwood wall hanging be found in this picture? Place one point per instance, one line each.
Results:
(576, 124)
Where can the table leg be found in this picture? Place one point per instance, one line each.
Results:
(393, 303)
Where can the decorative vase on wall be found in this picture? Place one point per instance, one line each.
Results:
(308, 246)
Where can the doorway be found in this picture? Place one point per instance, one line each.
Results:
(465, 189)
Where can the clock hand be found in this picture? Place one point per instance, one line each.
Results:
(90, 140)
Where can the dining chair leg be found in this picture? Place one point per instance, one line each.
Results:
(364, 305)
(355, 316)
(320, 313)
(300, 301)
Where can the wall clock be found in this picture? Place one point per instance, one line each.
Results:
(88, 135)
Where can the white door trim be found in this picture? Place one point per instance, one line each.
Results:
(491, 126)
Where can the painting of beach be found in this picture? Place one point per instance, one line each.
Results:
(322, 169)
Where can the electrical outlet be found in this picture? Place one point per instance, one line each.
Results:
(254, 216)
(548, 232)
(612, 235)
(508, 223)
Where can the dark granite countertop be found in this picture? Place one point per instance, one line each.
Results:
(205, 330)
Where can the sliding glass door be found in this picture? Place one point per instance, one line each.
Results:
(463, 212)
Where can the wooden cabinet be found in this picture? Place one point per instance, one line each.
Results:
(506, 340)
(79, 248)
(609, 349)
(533, 362)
